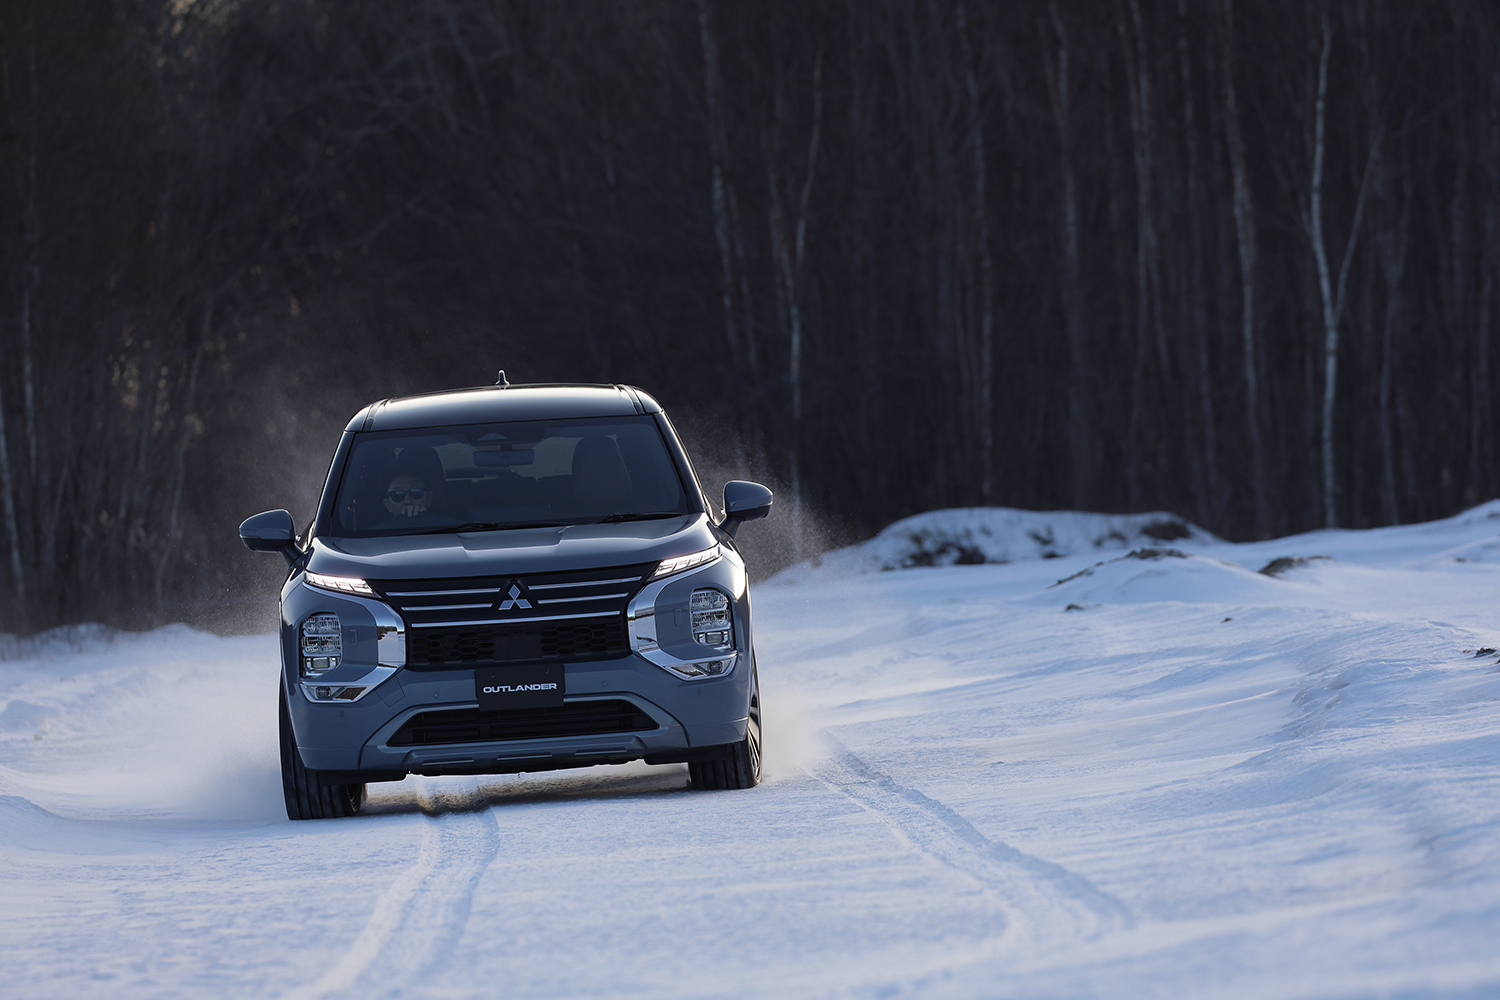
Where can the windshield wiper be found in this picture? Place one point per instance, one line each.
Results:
(490, 526)
(652, 516)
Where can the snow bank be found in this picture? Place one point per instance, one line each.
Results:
(998, 535)
(1165, 574)
(171, 722)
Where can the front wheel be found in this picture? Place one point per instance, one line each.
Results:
(736, 765)
(306, 796)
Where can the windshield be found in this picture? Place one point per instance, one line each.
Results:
(481, 477)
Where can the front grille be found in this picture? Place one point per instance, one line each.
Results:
(464, 621)
(470, 725)
(481, 644)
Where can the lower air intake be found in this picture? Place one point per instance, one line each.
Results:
(470, 725)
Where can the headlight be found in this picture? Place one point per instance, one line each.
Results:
(322, 644)
(711, 624)
(340, 584)
(690, 561)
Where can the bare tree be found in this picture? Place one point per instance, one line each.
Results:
(1060, 91)
(1332, 297)
(712, 88)
(944, 254)
(790, 253)
(1245, 244)
(982, 359)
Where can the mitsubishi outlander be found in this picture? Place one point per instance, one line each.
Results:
(512, 578)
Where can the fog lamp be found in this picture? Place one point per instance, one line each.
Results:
(333, 692)
(704, 668)
(711, 624)
(322, 644)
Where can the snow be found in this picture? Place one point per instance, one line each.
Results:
(1060, 756)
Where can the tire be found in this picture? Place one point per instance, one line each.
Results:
(735, 765)
(306, 796)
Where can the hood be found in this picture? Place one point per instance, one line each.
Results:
(517, 552)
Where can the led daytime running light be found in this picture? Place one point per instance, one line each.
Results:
(679, 563)
(340, 584)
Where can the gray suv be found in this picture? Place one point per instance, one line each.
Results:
(512, 578)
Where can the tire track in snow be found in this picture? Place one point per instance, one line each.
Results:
(418, 920)
(1046, 906)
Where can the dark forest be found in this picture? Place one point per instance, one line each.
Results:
(1232, 260)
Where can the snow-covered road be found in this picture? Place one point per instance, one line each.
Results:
(1162, 777)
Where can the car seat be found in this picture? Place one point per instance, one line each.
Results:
(601, 482)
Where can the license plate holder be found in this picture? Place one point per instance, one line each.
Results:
(528, 685)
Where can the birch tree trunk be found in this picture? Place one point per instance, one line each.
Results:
(1210, 498)
(1072, 289)
(1392, 248)
(1332, 298)
(33, 273)
(1149, 328)
(168, 548)
(983, 406)
(718, 147)
(30, 509)
(1320, 255)
(1482, 454)
(8, 496)
(790, 255)
(1245, 243)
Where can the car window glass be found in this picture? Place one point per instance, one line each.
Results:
(554, 457)
(578, 471)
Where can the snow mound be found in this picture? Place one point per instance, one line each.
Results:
(66, 642)
(166, 723)
(25, 822)
(22, 718)
(1149, 575)
(1486, 550)
(1281, 566)
(968, 536)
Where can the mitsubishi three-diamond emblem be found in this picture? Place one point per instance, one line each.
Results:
(515, 600)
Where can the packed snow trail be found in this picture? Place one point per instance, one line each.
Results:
(1046, 906)
(1123, 763)
(417, 921)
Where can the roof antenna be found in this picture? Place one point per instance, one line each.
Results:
(501, 380)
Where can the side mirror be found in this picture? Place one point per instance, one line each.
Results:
(272, 531)
(744, 502)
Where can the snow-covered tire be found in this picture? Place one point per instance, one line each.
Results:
(734, 765)
(306, 796)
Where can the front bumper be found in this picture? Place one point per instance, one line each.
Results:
(686, 716)
(363, 739)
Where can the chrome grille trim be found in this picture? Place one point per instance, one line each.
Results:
(508, 621)
(575, 600)
(590, 583)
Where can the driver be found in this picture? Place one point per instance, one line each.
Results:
(414, 489)
(407, 496)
